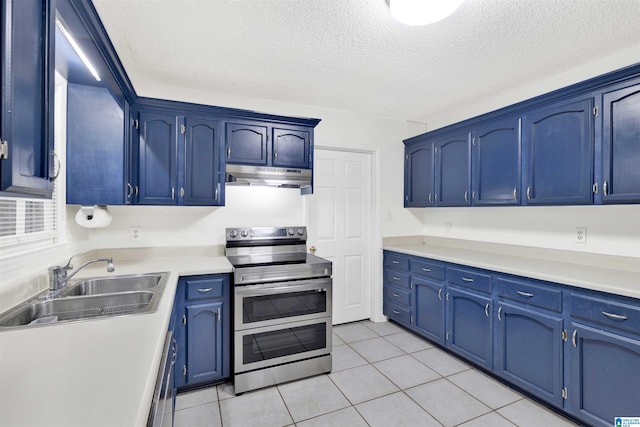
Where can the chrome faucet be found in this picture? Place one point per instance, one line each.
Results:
(58, 276)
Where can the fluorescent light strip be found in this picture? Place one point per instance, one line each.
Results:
(79, 51)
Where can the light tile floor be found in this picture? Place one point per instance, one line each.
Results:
(382, 376)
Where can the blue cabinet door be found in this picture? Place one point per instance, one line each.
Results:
(202, 165)
(558, 147)
(621, 145)
(470, 326)
(95, 147)
(158, 158)
(419, 175)
(496, 163)
(247, 144)
(204, 341)
(605, 373)
(26, 121)
(428, 309)
(291, 148)
(529, 350)
(453, 170)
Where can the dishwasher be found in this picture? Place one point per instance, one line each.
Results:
(161, 414)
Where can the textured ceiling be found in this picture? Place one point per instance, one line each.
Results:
(351, 55)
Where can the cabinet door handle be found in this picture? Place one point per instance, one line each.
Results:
(466, 196)
(428, 270)
(173, 193)
(605, 188)
(473, 195)
(395, 278)
(529, 193)
(204, 290)
(130, 193)
(467, 279)
(430, 198)
(574, 337)
(486, 310)
(58, 168)
(275, 155)
(614, 316)
(135, 191)
(440, 294)
(181, 191)
(228, 152)
(219, 314)
(524, 294)
(447, 296)
(395, 262)
(515, 193)
(395, 295)
(500, 313)
(215, 193)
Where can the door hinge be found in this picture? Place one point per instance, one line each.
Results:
(565, 335)
(183, 129)
(184, 370)
(595, 111)
(4, 150)
(564, 393)
(184, 320)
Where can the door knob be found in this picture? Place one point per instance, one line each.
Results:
(312, 249)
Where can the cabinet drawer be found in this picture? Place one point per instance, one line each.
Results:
(397, 296)
(398, 279)
(427, 268)
(606, 312)
(204, 288)
(397, 313)
(396, 261)
(469, 278)
(520, 290)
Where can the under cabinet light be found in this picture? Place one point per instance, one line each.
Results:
(79, 51)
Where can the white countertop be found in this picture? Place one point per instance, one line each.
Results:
(99, 372)
(607, 273)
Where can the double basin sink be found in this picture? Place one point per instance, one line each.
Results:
(91, 298)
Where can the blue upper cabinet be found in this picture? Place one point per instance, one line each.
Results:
(247, 144)
(95, 147)
(453, 167)
(496, 163)
(419, 175)
(558, 146)
(255, 143)
(621, 145)
(26, 121)
(158, 157)
(203, 163)
(292, 148)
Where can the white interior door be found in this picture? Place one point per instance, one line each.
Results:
(339, 218)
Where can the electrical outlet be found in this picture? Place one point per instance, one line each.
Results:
(135, 233)
(447, 227)
(580, 235)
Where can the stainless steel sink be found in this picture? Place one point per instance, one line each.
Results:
(92, 298)
(113, 284)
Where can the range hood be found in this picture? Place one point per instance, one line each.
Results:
(271, 176)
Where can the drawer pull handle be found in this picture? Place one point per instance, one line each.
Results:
(525, 294)
(396, 278)
(428, 270)
(205, 290)
(500, 313)
(614, 316)
(395, 262)
(395, 295)
(574, 337)
(440, 294)
(467, 279)
(486, 310)
(396, 312)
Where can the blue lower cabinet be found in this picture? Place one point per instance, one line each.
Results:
(203, 330)
(470, 326)
(529, 350)
(428, 309)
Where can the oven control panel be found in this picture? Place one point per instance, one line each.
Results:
(298, 233)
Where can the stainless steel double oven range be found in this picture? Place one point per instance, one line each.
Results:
(281, 307)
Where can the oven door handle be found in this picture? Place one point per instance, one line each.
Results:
(266, 290)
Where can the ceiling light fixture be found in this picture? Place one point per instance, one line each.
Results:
(79, 51)
(422, 12)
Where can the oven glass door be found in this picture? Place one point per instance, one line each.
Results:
(275, 303)
(269, 346)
